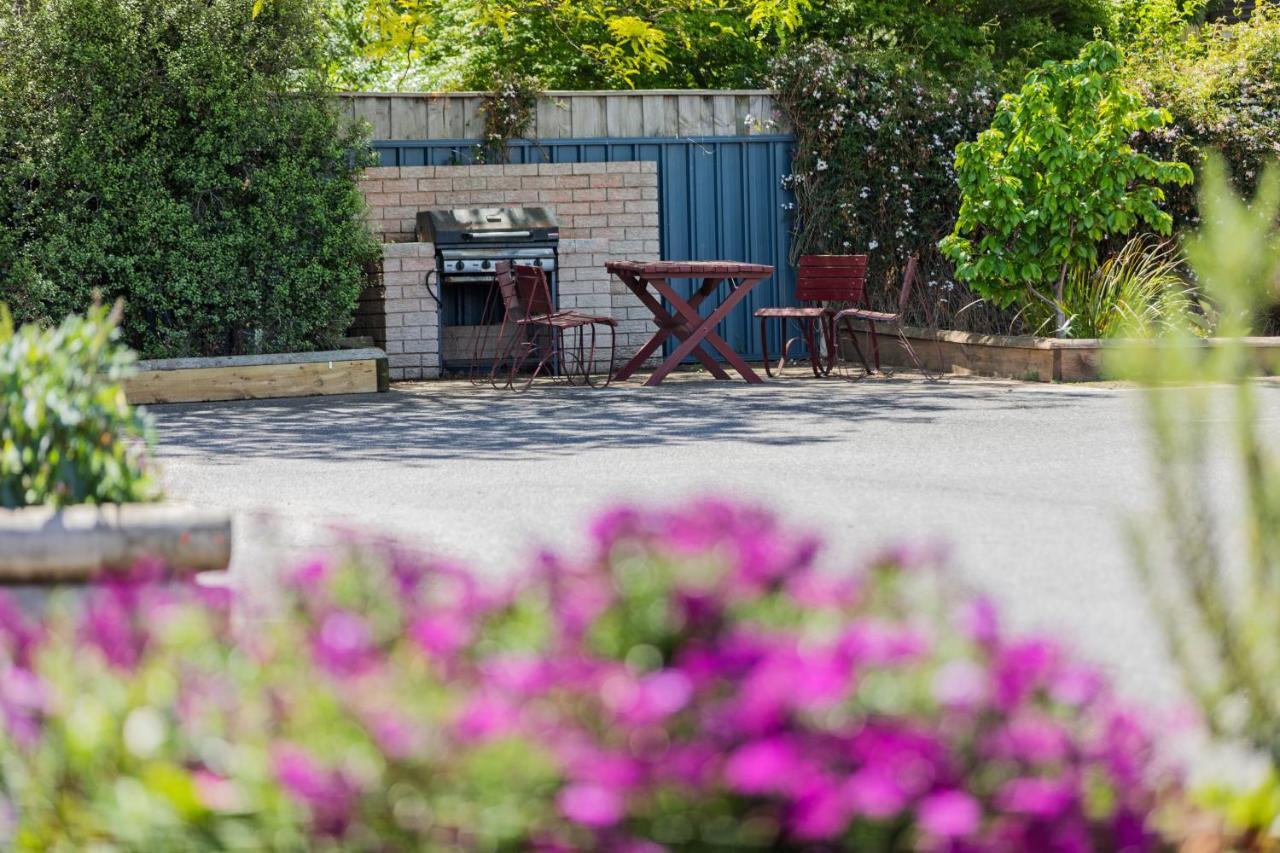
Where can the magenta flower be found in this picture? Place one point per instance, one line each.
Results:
(344, 644)
(592, 806)
(961, 685)
(1030, 739)
(823, 813)
(876, 792)
(769, 765)
(109, 623)
(328, 796)
(1021, 668)
(440, 633)
(484, 717)
(1038, 798)
(949, 814)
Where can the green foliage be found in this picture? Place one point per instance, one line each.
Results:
(1140, 290)
(452, 44)
(181, 156)
(1054, 176)
(958, 37)
(1221, 84)
(871, 171)
(67, 435)
(1213, 573)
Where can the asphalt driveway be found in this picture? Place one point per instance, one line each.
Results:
(1026, 482)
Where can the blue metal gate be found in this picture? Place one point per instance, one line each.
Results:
(720, 197)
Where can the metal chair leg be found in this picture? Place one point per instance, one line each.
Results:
(929, 375)
(764, 345)
(875, 345)
(808, 325)
(853, 338)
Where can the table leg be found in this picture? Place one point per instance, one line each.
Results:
(668, 325)
(703, 330)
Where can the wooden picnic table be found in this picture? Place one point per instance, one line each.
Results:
(696, 333)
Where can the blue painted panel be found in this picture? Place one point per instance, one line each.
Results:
(719, 198)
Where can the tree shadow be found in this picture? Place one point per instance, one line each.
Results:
(430, 422)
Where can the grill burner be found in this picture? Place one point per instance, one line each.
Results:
(469, 243)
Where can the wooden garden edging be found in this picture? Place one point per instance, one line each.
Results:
(46, 545)
(1020, 357)
(250, 377)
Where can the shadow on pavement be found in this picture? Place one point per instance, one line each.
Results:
(438, 421)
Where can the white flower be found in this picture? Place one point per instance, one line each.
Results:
(822, 165)
(873, 245)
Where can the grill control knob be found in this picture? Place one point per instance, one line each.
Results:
(459, 266)
(484, 265)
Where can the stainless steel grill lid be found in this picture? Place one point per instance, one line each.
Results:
(481, 225)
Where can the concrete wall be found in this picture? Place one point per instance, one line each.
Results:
(606, 211)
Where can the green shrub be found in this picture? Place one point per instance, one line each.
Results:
(181, 156)
(1141, 289)
(1221, 84)
(67, 434)
(1053, 177)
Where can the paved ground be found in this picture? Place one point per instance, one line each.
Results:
(1027, 482)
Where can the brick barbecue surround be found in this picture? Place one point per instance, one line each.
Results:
(606, 211)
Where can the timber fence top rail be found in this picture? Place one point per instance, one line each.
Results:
(570, 93)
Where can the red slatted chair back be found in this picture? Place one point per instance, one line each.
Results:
(832, 278)
(908, 278)
(506, 278)
(533, 291)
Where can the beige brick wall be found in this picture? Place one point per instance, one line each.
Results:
(606, 211)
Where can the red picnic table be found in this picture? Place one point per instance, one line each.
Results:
(696, 333)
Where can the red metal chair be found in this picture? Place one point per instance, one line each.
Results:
(871, 318)
(532, 333)
(821, 279)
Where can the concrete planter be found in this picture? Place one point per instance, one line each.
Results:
(1017, 357)
(42, 545)
(251, 377)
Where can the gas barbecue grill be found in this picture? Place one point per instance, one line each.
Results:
(469, 243)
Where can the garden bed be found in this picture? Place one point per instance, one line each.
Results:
(45, 545)
(251, 377)
(1022, 357)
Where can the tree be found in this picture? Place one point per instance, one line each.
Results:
(583, 44)
(404, 44)
(1055, 175)
(181, 155)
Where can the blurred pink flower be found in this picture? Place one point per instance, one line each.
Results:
(440, 633)
(770, 765)
(591, 805)
(344, 644)
(326, 793)
(1039, 798)
(949, 814)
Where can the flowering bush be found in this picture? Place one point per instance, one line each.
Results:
(872, 170)
(697, 682)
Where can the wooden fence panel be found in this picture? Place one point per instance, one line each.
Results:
(574, 115)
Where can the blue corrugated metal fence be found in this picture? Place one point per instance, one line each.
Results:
(720, 198)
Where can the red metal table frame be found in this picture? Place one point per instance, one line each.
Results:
(695, 332)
